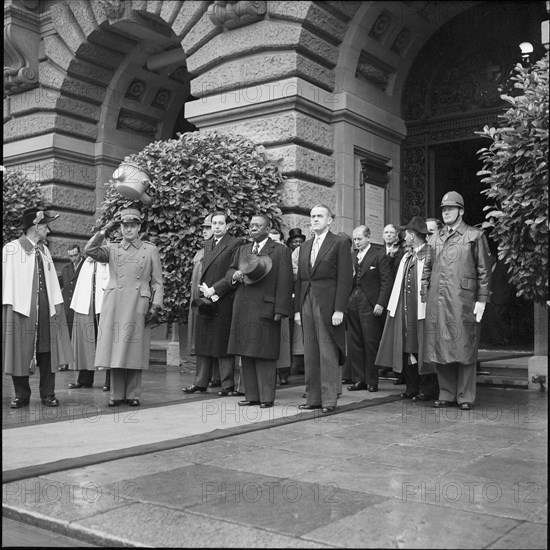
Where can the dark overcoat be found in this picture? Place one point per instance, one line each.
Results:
(212, 335)
(331, 279)
(67, 280)
(254, 333)
(456, 275)
(376, 279)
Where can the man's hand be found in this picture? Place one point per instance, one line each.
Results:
(378, 310)
(153, 314)
(337, 318)
(298, 319)
(237, 277)
(207, 291)
(479, 308)
(111, 226)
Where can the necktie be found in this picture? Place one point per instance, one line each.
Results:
(314, 251)
(255, 249)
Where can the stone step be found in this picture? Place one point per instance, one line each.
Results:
(507, 373)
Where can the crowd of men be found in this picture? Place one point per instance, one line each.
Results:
(341, 309)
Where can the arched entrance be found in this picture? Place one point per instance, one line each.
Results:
(451, 92)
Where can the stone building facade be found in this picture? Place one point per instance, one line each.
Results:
(352, 96)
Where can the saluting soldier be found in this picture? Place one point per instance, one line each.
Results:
(131, 302)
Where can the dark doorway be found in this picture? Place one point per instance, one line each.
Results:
(509, 323)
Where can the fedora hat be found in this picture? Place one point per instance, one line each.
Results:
(255, 267)
(129, 215)
(418, 224)
(35, 216)
(205, 307)
(293, 233)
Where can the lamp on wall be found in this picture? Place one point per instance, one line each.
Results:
(526, 49)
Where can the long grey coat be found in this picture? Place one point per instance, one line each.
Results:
(456, 275)
(123, 339)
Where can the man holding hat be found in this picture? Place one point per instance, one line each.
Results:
(34, 327)
(262, 274)
(401, 346)
(456, 285)
(213, 310)
(131, 302)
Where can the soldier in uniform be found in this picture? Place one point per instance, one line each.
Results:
(131, 302)
(456, 285)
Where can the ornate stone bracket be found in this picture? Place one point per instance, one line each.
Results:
(373, 70)
(230, 15)
(21, 44)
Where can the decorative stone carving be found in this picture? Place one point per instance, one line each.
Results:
(21, 45)
(414, 183)
(381, 26)
(113, 8)
(373, 71)
(135, 90)
(128, 120)
(162, 98)
(401, 42)
(231, 14)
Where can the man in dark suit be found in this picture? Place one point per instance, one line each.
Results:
(372, 284)
(67, 280)
(323, 285)
(212, 334)
(262, 274)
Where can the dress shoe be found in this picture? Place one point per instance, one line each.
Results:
(235, 393)
(266, 405)
(347, 381)
(19, 402)
(133, 402)
(114, 402)
(247, 403)
(422, 397)
(408, 396)
(283, 382)
(440, 404)
(398, 382)
(193, 389)
(106, 388)
(50, 401)
(77, 385)
(328, 409)
(466, 406)
(226, 392)
(373, 388)
(309, 407)
(358, 386)
(215, 384)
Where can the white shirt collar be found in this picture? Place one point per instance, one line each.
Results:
(261, 244)
(361, 253)
(320, 238)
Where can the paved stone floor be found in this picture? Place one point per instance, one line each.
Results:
(379, 473)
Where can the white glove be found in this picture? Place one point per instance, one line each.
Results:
(479, 308)
(206, 290)
(298, 319)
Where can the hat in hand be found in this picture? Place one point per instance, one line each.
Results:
(205, 307)
(36, 216)
(255, 267)
(293, 233)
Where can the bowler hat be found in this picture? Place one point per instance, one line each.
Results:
(35, 216)
(129, 215)
(293, 233)
(255, 267)
(418, 224)
(205, 307)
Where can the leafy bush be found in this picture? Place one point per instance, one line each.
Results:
(20, 194)
(516, 170)
(190, 178)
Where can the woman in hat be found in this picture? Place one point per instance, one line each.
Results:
(131, 302)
